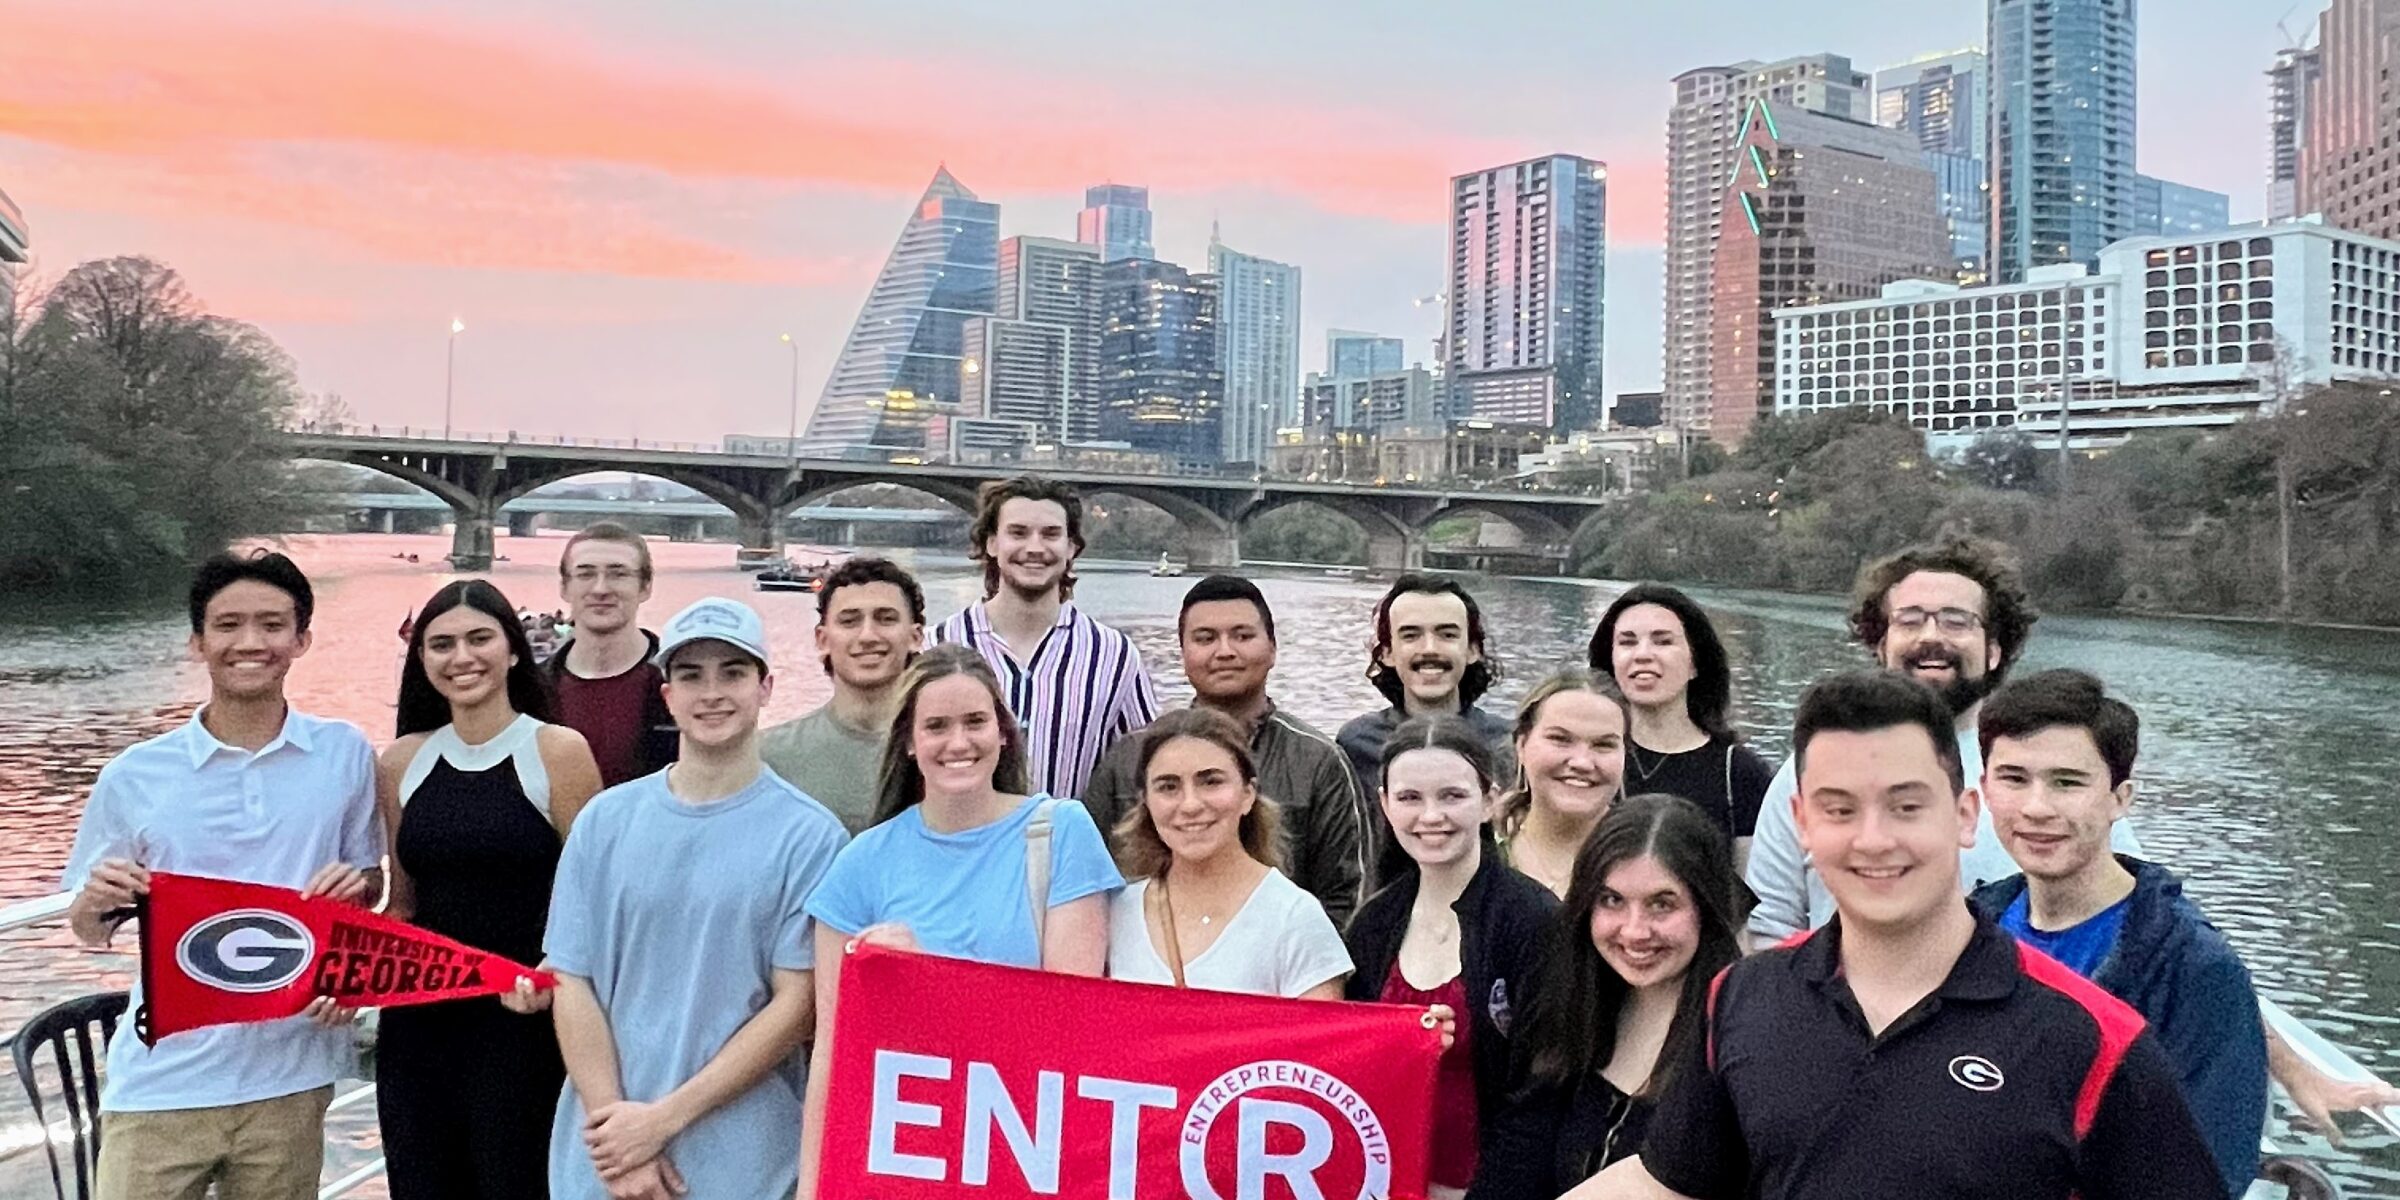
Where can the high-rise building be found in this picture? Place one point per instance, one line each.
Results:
(1258, 346)
(2164, 208)
(1708, 108)
(1822, 209)
(2062, 131)
(1377, 401)
(1046, 281)
(1350, 354)
(1116, 218)
(16, 247)
(2290, 82)
(1528, 256)
(1014, 383)
(1941, 98)
(2350, 140)
(1161, 389)
(899, 370)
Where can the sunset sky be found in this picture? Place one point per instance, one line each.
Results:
(627, 202)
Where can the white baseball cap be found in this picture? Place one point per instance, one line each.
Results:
(715, 619)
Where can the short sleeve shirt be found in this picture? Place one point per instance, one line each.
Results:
(964, 894)
(187, 803)
(1279, 943)
(2015, 1080)
(835, 764)
(679, 915)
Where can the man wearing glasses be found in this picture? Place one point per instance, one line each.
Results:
(1954, 616)
(601, 677)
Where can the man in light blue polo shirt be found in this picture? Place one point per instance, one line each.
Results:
(683, 952)
(246, 790)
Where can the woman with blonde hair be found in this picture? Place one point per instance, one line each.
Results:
(1570, 739)
(1210, 906)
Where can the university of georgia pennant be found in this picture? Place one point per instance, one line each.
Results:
(217, 952)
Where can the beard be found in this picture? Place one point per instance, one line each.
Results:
(1960, 693)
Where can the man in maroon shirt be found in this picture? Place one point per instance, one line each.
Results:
(602, 678)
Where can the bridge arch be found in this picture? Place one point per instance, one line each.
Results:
(1536, 527)
(1392, 543)
(1209, 540)
(416, 475)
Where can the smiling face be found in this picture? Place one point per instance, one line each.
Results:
(955, 736)
(1031, 546)
(1645, 923)
(1436, 805)
(1881, 823)
(249, 634)
(466, 656)
(1197, 798)
(1955, 662)
(1574, 756)
(1430, 649)
(602, 583)
(867, 634)
(1226, 651)
(715, 691)
(1650, 658)
(2051, 801)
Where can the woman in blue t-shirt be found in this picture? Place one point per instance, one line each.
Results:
(947, 866)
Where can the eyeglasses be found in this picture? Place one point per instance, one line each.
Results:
(1949, 620)
(614, 575)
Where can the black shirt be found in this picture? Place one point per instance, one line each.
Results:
(2015, 1080)
(1725, 778)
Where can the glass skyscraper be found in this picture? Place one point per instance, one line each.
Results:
(1161, 385)
(1258, 341)
(1528, 255)
(1116, 218)
(1350, 354)
(1941, 98)
(2062, 150)
(899, 371)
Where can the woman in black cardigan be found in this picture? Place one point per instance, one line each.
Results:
(1649, 923)
(1453, 926)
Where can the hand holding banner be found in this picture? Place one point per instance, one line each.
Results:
(954, 1080)
(217, 952)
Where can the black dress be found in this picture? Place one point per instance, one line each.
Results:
(466, 1090)
(1727, 779)
(1550, 1137)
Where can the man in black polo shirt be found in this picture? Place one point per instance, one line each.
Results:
(1909, 1048)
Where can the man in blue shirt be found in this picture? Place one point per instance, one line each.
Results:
(2058, 758)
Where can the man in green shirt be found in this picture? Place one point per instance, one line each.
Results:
(870, 622)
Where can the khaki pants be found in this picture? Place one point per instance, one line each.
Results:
(263, 1150)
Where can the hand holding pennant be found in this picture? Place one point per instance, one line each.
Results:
(217, 952)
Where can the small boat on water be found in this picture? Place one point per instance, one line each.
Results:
(1167, 567)
(789, 576)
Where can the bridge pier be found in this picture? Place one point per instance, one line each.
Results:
(524, 524)
(1394, 552)
(471, 541)
(1209, 550)
(758, 531)
(383, 521)
(687, 529)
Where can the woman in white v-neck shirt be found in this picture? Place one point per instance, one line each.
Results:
(1209, 907)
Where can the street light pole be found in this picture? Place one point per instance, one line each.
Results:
(791, 437)
(450, 374)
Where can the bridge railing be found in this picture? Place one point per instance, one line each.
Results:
(510, 437)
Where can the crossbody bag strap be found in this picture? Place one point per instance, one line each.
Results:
(1037, 867)
(1166, 901)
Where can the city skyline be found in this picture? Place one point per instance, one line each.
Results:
(630, 224)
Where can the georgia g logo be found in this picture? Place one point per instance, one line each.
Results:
(1976, 1073)
(246, 950)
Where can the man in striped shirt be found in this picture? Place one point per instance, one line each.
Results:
(1075, 685)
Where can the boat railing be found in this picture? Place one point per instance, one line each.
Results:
(47, 910)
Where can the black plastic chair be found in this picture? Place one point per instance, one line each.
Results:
(2302, 1179)
(66, 1029)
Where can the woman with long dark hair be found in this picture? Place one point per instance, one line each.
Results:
(1648, 924)
(1664, 653)
(1570, 741)
(1452, 926)
(1209, 905)
(477, 796)
(961, 861)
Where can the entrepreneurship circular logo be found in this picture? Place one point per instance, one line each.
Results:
(1976, 1073)
(246, 950)
(1283, 1117)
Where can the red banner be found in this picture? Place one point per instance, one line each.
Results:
(955, 1080)
(216, 952)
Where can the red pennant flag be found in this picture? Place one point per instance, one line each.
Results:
(217, 952)
(1116, 1091)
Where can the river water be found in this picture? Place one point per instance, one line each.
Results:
(2267, 773)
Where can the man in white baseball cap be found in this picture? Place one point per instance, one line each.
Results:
(684, 957)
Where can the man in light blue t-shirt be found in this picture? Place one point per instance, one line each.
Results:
(684, 954)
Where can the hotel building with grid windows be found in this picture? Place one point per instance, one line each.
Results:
(2170, 332)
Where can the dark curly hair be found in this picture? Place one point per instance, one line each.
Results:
(1473, 682)
(988, 500)
(2008, 612)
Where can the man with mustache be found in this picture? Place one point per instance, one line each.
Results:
(870, 621)
(1428, 657)
(1952, 615)
(1075, 685)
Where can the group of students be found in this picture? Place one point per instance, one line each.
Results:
(1577, 886)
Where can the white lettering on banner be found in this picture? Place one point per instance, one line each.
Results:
(1298, 1170)
(1126, 1100)
(891, 1112)
(989, 1108)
